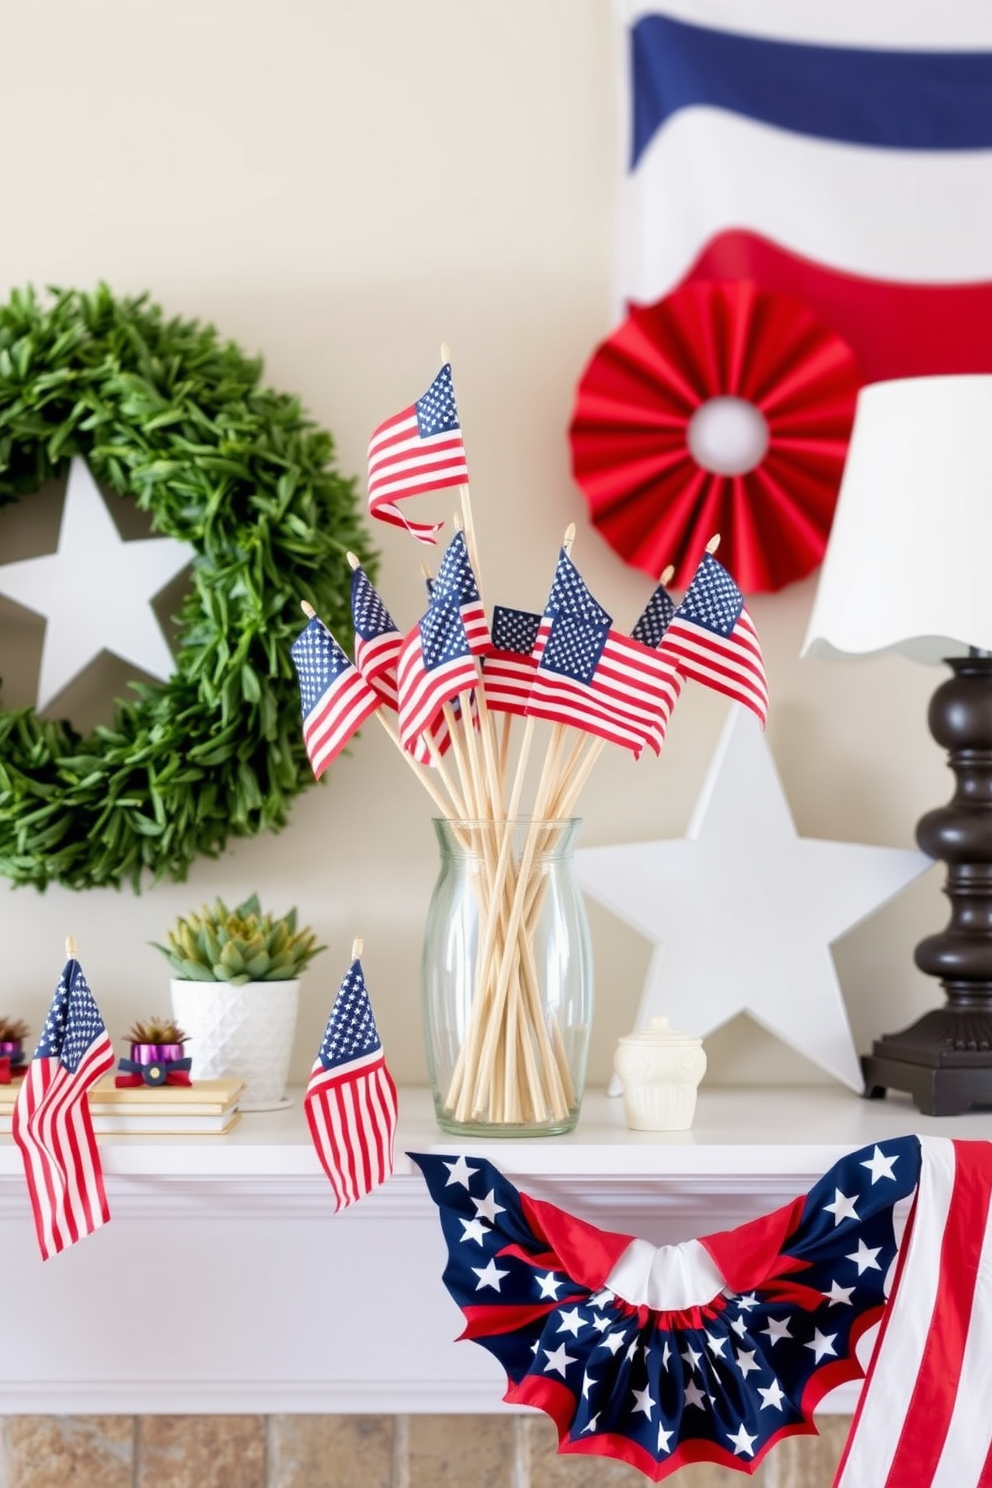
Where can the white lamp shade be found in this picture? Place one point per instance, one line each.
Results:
(909, 562)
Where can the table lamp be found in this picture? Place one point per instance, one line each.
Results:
(908, 568)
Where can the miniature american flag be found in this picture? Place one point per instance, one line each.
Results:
(712, 639)
(417, 450)
(511, 662)
(51, 1121)
(335, 698)
(350, 1100)
(435, 665)
(655, 618)
(456, 580)
(592, 677)
(378, 640)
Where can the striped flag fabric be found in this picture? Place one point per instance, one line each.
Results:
(51, 1121)
(419, 449)
(335, 699)
(923, 1418)
(711, 638)
(839, 156)
(510, 664)
(435, 665)
(350, 1100)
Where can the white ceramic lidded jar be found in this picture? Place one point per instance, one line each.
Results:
(660, 1071)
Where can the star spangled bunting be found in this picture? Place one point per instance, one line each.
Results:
(436, 664)
(51, 1120)
(456, 582)
(419, 449)
(711, 638)
(335, 699)
(510, 663)
(708, 1351)
(350, 1100)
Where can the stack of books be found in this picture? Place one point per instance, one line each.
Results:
(207, 1108)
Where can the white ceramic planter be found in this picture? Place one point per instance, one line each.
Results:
(242, 1032)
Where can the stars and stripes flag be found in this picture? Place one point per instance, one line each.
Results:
(711, 638)
(350, 1100)
(335, 699)
(419, 449)
(590, 676)
(650, 629)
(510, 664)
(435, 665)
(378, 643)
(840, 156)
(378, 639)
(713, 1350)
(51, 1121)
(456, 581)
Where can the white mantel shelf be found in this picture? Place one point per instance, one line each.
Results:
(285, 1306)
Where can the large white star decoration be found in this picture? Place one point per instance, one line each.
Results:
(664, 1437)
(742, 911)
(839, 1296)
(777, 1328)
(694, 1395)
(475, 1230)
(571, 1322)
(550, 1285)
(95, 590)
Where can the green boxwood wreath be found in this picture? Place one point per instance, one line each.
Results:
(169, 415)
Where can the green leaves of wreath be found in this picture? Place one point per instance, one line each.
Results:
(168, 415)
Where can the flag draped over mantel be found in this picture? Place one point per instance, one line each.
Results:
(841, 156)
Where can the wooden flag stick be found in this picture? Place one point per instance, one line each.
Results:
(70, 948)
(356, 948)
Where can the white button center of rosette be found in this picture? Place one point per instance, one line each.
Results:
(728, 436)
(666, 1278)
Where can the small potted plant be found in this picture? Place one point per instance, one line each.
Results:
(13, 1032)
(157, 1054)
(235, 990)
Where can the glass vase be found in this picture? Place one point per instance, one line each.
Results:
(507, 979)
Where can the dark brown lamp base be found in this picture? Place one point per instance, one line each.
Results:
(944, 1060)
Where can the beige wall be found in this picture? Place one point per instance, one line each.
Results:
(341, 187)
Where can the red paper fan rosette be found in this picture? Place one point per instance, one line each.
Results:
(765, 393)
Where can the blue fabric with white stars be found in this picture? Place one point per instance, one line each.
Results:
(369, 615)
(712, 601)
(442, 632)
(730, 1376)
(351, 1032)
(436, 411)
(73, 1021)
(319, 661)
(455, 579)
(569, 595)
(515, 630)
(655, 618)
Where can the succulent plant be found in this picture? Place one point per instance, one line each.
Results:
(156, 1030)
(238, 945)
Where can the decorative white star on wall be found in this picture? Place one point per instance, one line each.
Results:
(96, 590)
(743, 911)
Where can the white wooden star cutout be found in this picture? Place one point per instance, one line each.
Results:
(95, 590)
(743, 911)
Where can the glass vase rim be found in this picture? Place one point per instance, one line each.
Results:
(522, 819)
